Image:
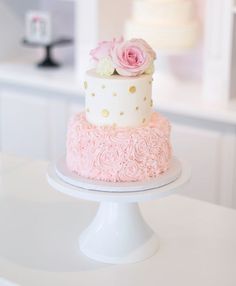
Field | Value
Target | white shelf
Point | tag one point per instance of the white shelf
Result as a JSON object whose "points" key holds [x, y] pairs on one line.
{"points": [[19, 73], [185, 98], [188, 105]]}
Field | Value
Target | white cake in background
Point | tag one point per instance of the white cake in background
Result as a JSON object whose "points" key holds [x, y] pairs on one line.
{"points": [[118, 100], [166, 24], [163, 12]]}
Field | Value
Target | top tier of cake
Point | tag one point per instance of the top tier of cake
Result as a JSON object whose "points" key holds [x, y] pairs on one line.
{"points": [[116, 100], [119, 90]]}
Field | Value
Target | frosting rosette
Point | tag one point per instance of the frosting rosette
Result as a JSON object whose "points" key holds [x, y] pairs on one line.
{"points": [[118, 154], [127, 58]]}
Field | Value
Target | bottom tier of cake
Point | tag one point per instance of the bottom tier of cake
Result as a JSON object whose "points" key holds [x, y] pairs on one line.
{"points": [[118, 154]]}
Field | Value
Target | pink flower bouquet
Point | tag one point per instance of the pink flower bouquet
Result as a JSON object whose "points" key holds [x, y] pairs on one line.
{"points": [[127, 58]]}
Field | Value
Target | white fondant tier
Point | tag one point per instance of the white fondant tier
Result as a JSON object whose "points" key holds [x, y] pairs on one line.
{"points": [[163, 13], [117, 100]]}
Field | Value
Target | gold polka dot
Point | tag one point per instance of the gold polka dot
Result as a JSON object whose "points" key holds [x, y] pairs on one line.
{"points": [[132, 89], [150, 82], [103, 86], [105, 113], [114, 125], [85, 85], [114, 94], [121, 113], [87, 110], [144, 119], [137, 108], [92, 94], [145, 98]]}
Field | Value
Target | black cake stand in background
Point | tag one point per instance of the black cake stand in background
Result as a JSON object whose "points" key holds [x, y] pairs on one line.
{"points": [[48, 61]]}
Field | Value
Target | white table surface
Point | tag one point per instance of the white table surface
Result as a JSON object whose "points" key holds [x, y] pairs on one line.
{"points": [[39, 228]]}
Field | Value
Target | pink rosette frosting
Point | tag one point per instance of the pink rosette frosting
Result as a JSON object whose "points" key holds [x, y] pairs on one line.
{"points": [[118, 154]]}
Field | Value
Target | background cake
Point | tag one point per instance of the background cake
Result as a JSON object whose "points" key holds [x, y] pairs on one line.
{"points": [[119, 138], [166, 24]]}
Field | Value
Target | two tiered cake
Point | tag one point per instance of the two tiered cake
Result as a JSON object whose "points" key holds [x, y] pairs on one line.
{"points": [[119, 138]]}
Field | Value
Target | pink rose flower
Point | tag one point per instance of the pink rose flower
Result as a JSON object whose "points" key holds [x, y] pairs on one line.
{"points": [[132, 57], [104, 49]]}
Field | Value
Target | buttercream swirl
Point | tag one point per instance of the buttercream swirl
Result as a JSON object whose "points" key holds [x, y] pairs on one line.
{"points": [[118, 154]]}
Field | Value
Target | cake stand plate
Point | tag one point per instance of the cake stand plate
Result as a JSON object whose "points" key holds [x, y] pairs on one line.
{"points": [[73, 179], [118, 234]]}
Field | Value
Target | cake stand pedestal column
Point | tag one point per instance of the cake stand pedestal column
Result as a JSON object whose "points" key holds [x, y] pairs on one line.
{"points": [[118, 234]]}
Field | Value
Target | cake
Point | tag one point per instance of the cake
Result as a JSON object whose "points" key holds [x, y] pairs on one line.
{"points": [[166, 24], [119, 138]]}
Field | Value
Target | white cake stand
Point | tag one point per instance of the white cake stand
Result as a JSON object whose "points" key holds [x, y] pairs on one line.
{"points": [[118, 234]]}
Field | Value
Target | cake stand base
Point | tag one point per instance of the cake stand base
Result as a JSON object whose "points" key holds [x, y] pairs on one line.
{"points": [[118, 234]]}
